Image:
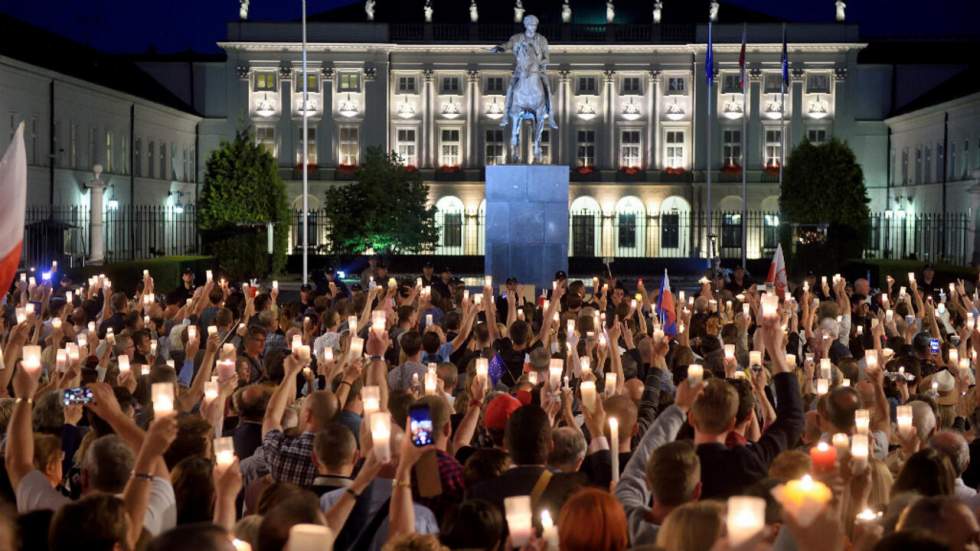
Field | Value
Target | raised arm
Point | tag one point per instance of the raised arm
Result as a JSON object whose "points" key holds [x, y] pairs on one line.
{"points": [[281, 396], [136, 496], [19, 455]]}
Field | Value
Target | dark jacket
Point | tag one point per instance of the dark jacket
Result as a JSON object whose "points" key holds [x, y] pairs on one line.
{"points": [[520, 480], [729, 471]]}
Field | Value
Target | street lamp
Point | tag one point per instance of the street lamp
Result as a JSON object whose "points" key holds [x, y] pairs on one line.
{"points": [[243, 12]]}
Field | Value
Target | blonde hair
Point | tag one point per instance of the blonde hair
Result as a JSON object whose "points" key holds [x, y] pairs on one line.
{"points": [[692, 527], [415, 542], [790, 465]]}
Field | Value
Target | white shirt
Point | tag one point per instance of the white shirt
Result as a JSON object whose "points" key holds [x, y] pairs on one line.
{"points": [[425, 520]]}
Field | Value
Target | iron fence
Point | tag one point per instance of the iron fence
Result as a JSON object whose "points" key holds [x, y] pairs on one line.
{"points": [[929, 237], [63, 233]]}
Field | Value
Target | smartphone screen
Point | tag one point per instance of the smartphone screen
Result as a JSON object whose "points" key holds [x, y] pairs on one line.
{"points": [[77, 395], [934, 346], [420, 425]]}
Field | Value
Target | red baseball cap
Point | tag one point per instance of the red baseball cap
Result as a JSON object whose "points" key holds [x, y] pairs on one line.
{"points": [[499, 410]]}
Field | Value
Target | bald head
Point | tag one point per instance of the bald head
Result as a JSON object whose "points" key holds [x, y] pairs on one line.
{"points": [[952, 445], [842, 402], [862, 287], [923, 419], [252, 402], [634, 389]]}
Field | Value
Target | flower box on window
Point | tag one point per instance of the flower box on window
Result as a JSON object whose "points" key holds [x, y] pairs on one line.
{"points": [[584, 170], [449, 173], [732, 168], [449, 169], [311, 170], [584, 174], [630, 174], [772, 169], [675, 171], [411, 168]]}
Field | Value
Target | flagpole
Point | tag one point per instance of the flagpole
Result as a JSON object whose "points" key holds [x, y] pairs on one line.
{"points": [[709, 69], [782, 108], [306, 161], [745, 196]]}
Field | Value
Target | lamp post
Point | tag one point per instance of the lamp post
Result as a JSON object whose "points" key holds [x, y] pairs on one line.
{"points": [[96, 221], [243, 13]]}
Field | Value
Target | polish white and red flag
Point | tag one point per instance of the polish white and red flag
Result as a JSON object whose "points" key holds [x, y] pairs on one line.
{"points": [[13, 191], [777, 271]]}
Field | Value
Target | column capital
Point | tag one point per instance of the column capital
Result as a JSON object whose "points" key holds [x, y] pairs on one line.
{"points": [[472, 75], [655, 75], [285, 71], [610, 73], [243, 71], [327, 72], [755, 74], [370, 72], [427, 74], [797, 74], [840, 73], [564, 73]]}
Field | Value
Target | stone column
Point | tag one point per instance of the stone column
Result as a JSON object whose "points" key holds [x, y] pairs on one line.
{"points": [[753, 155], [428, 140], [326, 127], [564, 117], [610, 116], [653, 119], [472, 102], [285, 128], [796, 104], [96, 222]]}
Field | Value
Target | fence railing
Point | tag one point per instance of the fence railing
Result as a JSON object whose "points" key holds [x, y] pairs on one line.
{"points": [[63, 233]]}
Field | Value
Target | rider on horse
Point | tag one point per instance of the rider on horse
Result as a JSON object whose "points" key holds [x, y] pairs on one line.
{"points": [[537, 49]]}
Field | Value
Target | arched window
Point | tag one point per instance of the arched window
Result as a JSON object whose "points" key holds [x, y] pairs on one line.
{"points": [[675, 224], [449, 220], [630, 227], [314, 230], [585, 217], [730, 208]]}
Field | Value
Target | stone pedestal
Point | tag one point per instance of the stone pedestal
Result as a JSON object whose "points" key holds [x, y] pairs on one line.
{"points": [[526, 223]]}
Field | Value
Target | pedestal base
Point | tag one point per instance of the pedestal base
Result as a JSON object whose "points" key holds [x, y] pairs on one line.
{"points": [[526, 223]]}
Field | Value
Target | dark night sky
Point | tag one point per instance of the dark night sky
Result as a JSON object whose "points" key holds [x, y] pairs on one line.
{"points": [[177, 25]]}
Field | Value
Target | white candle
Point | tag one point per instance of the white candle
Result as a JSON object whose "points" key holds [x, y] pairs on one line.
{"points": [[903, 418], [224, 451], [309, 537], [328, 354], [770, 306], [210, 390], [56, 323], [746, 517], [488, 281], [609, 389], [658, 336], [31, 361], [428, 320], [392, 283], [478, 298], [91, 327], [841, 443], [845, 382], [371, 399], [518, 512], [826, 369], [123, 362], [549, 532], [381, 435], [954, 356], [430, 383], [822, 387], [153, 348], [352, 324], [555, 369], [163, 398], [82, 339], [71, 349], [532, 377], [212, 330], [69, 297], [859, 452], [755, 358], [729, 351], [20, 315], [570, 327], [226, 369], [296, 343], [791, 360], [871, 359], [191, 332], [356, 347], [911, 277], [144, 369], [695, 374], [378, 321], [307, 373], [60, 361], [209, 275], [862, 421], [614, 448], [275, 284], [587, 389], [482, 369]]}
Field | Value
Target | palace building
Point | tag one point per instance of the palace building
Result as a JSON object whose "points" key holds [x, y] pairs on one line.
{"points": [[629, 96]]}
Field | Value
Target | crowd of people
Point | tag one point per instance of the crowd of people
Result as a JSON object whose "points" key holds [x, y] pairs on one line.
{"points": [[415, 413]]}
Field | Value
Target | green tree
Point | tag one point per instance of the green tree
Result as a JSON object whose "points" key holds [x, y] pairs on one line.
{"points": [[243, 193], [385, 209], [824, 185]]}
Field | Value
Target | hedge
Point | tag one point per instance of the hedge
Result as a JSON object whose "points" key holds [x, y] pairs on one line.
{"points": [[165, 270]]}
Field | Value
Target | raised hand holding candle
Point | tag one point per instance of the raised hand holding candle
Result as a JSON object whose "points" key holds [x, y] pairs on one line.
{"points": [[123, 363], [823, 386], [518, 513], [695, 374], [210, 390], [163, 398], [903, 418], [555, 368], [144, 369], [378, 321], [826, 370], [859, 453], [430, 383], [356, 347], [549, 532], [862, 421], [803, 499], [841, 443], [532, 377], [609, 389], [482, 370], [381, 435], [352, 324], [371, 399], [60, 361], [729, 352], [746, 517], [587, 389], [31, 358], [755, 358], [224, 451]]}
